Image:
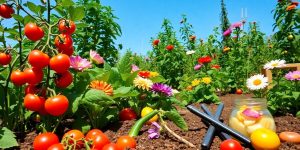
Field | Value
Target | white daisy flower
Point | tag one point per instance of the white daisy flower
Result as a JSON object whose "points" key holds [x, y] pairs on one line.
{"points": [[274, 64], [190, 52], [257, 82]]}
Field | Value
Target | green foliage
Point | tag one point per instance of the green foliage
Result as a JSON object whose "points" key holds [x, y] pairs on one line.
{"points": [[177, 119], [225, 24], [7, 138]]}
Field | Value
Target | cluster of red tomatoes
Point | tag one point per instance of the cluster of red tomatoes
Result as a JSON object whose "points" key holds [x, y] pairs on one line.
{"points": [[38, 60], [75, 139]]}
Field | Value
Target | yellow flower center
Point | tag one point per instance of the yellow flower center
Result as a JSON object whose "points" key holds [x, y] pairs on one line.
{"points": [[257, 82], [296, 76], [275, 64]]}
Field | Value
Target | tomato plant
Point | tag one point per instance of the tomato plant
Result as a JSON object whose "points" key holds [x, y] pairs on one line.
{"points": [[230, 145], [18, 77], [33, 75], [64, 80], [57, 105], [38, 59], [63, 42], [44, 140], [33, 102], [66, 26], [239, 91], [74, 136]]}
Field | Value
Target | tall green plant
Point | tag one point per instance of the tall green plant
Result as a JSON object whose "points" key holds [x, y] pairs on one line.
{"points": [[225, 24]]}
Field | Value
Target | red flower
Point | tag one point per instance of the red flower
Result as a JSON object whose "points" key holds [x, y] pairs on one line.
{"points": [[203, 60], [170, 47], [216, 67], [144, 74], [155, 42]]}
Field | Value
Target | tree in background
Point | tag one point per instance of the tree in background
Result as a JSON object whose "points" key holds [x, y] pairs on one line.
{"points": [[99, 32], [224, 20]]}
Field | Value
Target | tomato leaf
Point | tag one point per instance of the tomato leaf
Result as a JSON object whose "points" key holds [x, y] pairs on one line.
{"points": [[34, 8], [97, 97], [76, 13], [177, 119], [7, 138]]}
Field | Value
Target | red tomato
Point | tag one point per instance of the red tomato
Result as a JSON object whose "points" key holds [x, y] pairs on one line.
{"points": [[127, 114], [110, 146], [66, 26], [33, 32], [239, 91], [170, 47], [230, 144], [33, 102], [38, 59], [5, 59], [63, 42], [155, 42], [44, 141], [68, 52], [18, 77], [76, 135], [125, 142], [56, 105], [60, 63], [64, 79], [34, 75], [57, 146], [98, 138], [43, 111], [6, 11]]}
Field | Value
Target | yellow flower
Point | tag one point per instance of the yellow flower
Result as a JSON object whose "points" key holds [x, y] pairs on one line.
{"points": [[153, 74], [195, 82], [206, 80], [226, 49], [103, 86], [142, 83]]}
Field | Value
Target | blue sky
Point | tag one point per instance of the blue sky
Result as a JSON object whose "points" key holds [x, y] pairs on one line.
{"points": [[141, 19]]}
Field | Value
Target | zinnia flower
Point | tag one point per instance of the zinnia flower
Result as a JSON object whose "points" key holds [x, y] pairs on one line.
{"points": [[153, 74], [274, 64], [204, 60], [216, 67], [144, 74], [163, 89], [206, 80], [154, 131], [189, 88], [79, 64], [142, 83], [227, 32], [155, 42], [134, 68], [236, 25], [198, 66], [103, 86], [96, 58], [291, 7], [257, 82], [190, 52], [293, 75], [195, 82]]}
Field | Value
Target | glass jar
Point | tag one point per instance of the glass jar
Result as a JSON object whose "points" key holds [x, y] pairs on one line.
{"points": [[250, 114]]}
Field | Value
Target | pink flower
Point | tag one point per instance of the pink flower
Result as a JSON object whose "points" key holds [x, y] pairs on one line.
{"points": [[79, 63], [293, 76], [236, 25], [227, 32], [198, 66], [134, 68], [96, 58], [154, 131]]}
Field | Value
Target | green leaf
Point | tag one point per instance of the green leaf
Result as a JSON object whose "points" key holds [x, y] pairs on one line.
{"points": [[34, 8], [67, 3], [18, 17], [7, 139], [124, 65], [158, 79], [296, 95], [76, 13], [82, 125], [177, 119], [125, 92], [97, 97]]}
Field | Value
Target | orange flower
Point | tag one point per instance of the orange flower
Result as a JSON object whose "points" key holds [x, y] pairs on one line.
{"points": [[103, 86], [189, 88], [291, 7], [144, 74]]}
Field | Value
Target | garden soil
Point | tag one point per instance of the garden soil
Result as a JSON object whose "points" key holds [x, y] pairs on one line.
{"points": [[195, 134]]}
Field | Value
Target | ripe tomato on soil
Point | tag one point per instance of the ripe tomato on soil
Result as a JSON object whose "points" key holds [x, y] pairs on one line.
{"points": [[64, 80], [6, 11], [33, 32], [44, 141], [125, 142], [127, 114], [57, 146], [56, 105], [5, 59], [60, 63], [98, 138], [230, 144], [18, 77], [33, 102], [38, 59], [34, 75], [66, 26], [63, 42], [76, 135]]}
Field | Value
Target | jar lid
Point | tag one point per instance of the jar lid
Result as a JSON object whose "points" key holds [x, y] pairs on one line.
{"points": [[262, 102]]}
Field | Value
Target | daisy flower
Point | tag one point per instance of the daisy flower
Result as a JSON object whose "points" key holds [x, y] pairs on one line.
{"points": [[274, 64], [257, 82], [79, 64], [190, 52], [293, 75], [142, 83], [161, 88], [103, 86]]}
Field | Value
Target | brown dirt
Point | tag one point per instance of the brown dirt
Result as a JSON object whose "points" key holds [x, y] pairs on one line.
{"points": [[195, 133]]}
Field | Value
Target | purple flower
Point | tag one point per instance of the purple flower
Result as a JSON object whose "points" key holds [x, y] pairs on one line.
{"points": [[236, 25], [79, 63], [293, 75], [95, 57], [198, 66], [227, 32], [134, 68], [163, 89], [154, 131]]}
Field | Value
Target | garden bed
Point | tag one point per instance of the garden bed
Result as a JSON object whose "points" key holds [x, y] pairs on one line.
{"points": [[195, 133]]}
